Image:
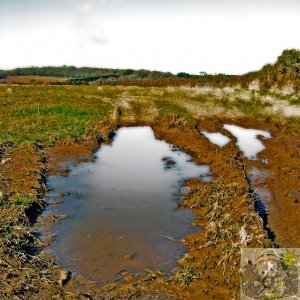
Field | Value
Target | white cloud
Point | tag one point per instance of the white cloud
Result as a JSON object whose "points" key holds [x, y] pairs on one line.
{"points": [[85, 8], [101, 33]]}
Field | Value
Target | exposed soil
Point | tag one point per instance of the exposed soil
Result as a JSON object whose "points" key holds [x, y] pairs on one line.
{"points": [[31, 79], [282, 154], [224, 208], [61, 157]]}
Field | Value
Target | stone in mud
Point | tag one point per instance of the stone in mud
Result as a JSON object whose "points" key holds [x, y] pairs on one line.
{"points": [[51, 219], [170, 238], [151, 273], [129, 256], [57, 202], [57, 275], [60, 195], [169, 162], [5, 160], [64, 276]]}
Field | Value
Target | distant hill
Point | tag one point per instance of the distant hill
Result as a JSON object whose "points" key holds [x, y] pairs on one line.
{"points": [[85, 73]]}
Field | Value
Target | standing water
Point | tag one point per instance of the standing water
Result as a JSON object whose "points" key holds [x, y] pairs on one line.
{"points": [[216, 138], [247, 139], [122, 208]]}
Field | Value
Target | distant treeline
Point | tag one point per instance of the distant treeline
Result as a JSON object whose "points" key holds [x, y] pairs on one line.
{"points": [[149, 82], [285, 71], [85, 72]]}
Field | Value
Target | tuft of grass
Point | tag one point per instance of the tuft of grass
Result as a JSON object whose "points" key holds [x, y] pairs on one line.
{"points": [[166, 108], [186, 275], [289, 260], [24, 200]]}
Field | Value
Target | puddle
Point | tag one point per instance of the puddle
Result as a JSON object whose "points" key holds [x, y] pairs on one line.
{"points": [[216, 138], [263, 205], [258, 176], [247, 139], [258, 180], [122, 208]]}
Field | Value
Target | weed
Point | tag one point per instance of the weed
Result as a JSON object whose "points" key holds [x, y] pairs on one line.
{"points": [[186, 275], [289, 260], [235, 228], [188, 258], [12, 240], [216, 235], [197, 219], [21, 200]]}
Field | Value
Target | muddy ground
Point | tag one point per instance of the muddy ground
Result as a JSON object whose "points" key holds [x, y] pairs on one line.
{"points": [[224, 208]]}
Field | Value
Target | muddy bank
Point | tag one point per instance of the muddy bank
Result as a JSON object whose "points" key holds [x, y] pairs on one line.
{"points": [[22, 186], [283, 155], [23, 173], [225, 209], [277, 176]]}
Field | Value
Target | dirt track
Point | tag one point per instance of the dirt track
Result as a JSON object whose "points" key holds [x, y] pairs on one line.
{"points": [[224, 208]]}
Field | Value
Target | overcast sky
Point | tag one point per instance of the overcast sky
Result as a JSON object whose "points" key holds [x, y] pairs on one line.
{"points": [[216, 36]]}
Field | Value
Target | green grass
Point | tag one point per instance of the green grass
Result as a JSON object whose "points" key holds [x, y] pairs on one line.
{"points": [[170, 103], [186, 275], [166, 107], [50, 113], [294, 101], [253, 107], [63, 111], [47, 114], [21, 200]]}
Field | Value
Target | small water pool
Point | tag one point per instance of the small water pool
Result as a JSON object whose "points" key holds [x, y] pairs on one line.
{"points": [[216, 138], [247, 139], [122, 208]]}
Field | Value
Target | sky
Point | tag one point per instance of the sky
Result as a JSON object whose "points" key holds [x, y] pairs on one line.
{"points": [[214, 36]]}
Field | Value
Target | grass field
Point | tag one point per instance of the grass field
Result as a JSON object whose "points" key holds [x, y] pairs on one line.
{"points": [[50, 113]]}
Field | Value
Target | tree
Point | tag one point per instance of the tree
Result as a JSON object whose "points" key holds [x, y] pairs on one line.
{"points": [[183, 75]]}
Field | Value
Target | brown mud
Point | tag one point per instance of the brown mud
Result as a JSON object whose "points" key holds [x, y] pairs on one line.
{"points": [[280, 176], [31, 79], [224, 208]]}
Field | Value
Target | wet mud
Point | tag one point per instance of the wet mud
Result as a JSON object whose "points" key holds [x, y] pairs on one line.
{"points": [[224, 208]]}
